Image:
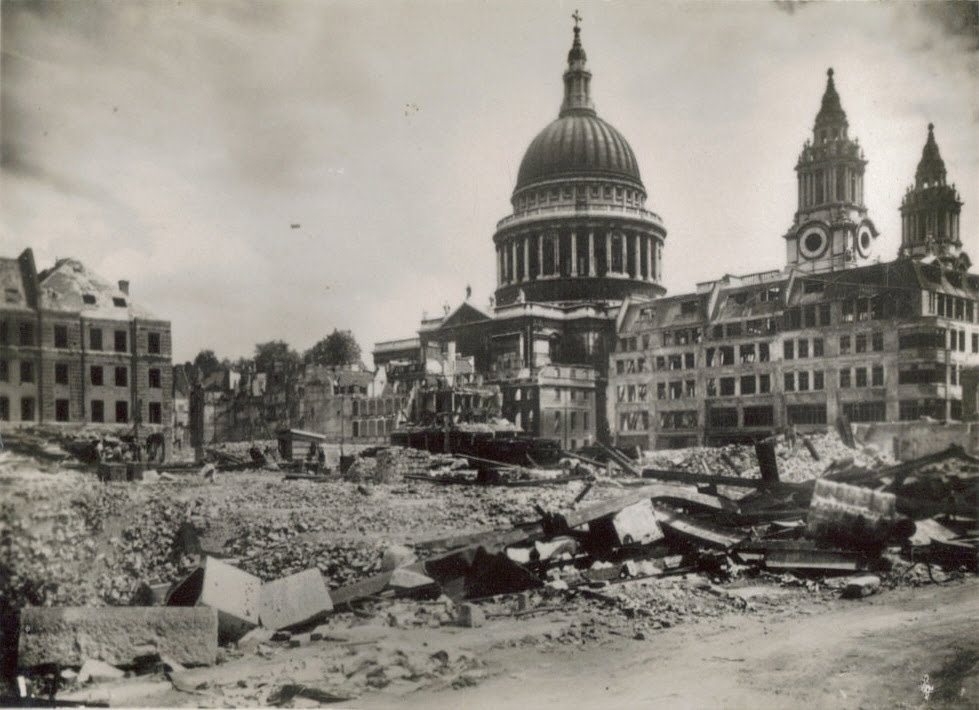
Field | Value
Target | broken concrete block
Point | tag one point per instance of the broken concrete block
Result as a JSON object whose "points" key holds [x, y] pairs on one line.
{"points": [[406, 580], [851, 515], [67, 636], [98, 671], [637, 525], [397, 556], [471, 616], [233, 592], [862, 586], [297, 599]]}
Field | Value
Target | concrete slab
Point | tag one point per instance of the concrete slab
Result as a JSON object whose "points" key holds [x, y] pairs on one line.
{"points": [[637, 525], [293, 600], [68, 636], [233, 592]]}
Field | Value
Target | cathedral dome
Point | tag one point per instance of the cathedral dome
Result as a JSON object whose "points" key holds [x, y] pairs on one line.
{"points": [[577, 144]]}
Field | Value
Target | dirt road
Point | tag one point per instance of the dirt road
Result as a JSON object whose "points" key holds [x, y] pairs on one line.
{"points": [[872, 653]]}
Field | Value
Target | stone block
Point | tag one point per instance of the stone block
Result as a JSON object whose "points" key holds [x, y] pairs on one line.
{"points": [[297, 599], [637, 525], [471, 616], [67, 636], [233, 592]]}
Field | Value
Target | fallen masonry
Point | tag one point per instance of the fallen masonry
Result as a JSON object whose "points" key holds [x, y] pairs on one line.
{"points": [[643, 546], [68, 636]]}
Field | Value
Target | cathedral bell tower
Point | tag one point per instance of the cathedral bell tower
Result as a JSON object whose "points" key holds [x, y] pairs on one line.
{"points": [[831, 230], [930, 211]]}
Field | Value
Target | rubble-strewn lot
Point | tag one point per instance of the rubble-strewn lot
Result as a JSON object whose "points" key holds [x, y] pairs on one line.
{"points": [[576, 573]]}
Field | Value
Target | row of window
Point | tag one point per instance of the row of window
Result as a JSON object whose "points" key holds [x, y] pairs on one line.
{"points": [[749, 385], [799, 348], [913, 409], [801, 414], [96, 374], [372, 427], [543, 197], [634, 421], [809, 316], [927, 373], [686, 419], [792, 349], [371, 407], [26, 336], [859, 342], [937, 338], [62, 413], [940, 304], [859, 377]]}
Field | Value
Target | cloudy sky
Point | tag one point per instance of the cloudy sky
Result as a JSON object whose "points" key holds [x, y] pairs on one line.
{"points": [[174, 143]]}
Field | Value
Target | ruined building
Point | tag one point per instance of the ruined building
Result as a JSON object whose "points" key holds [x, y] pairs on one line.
{"points": [[579, 241], [345, 404], [75, 349], [835, 332]]}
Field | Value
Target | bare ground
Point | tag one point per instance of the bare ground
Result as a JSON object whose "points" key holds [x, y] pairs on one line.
{"points": [[859, 654]]}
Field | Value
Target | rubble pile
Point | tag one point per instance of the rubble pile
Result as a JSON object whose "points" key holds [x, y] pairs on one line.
{"points": [[796, 461], [267, 551], [689, 540]]}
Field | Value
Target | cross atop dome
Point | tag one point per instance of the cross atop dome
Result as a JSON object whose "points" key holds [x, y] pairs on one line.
{"points": [[577, 79]]}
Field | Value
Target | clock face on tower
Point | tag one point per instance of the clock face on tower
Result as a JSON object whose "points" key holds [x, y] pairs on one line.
{"points": [[865, 241], [813, 242]]}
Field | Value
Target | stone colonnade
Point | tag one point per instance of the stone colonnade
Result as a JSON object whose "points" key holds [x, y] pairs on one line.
{"points": [[539, 255]]}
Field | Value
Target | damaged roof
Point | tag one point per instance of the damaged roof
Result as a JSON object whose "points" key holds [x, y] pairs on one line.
{"points": [[70, 286]]}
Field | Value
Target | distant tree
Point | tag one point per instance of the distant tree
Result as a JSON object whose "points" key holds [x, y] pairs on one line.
{"points": [[239, 365], [338, 348], [206, 362], [272, 352]]}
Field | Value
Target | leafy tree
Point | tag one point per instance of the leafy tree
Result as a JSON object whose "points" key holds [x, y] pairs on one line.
{"points": [[239, 365], [206, 362], [338, 348], [272, 352]]}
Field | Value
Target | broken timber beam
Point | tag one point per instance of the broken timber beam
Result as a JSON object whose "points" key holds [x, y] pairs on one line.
{"points": [[605, 508], [491, 540], [621, 460], [703, 478], [700, 531]]}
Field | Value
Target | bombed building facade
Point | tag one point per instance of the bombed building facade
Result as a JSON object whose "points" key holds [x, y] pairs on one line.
{"points": [[836, 332], [74, 349], [585, 346], [344, 404]]}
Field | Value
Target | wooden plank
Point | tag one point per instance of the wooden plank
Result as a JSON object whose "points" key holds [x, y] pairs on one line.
{"points": [[705, 533]]}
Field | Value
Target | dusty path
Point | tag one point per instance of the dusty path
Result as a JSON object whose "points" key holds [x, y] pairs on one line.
{"points": [[860, 654]]}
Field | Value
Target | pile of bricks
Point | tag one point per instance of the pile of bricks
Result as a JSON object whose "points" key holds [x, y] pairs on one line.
{"points": [[395, 463]]}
